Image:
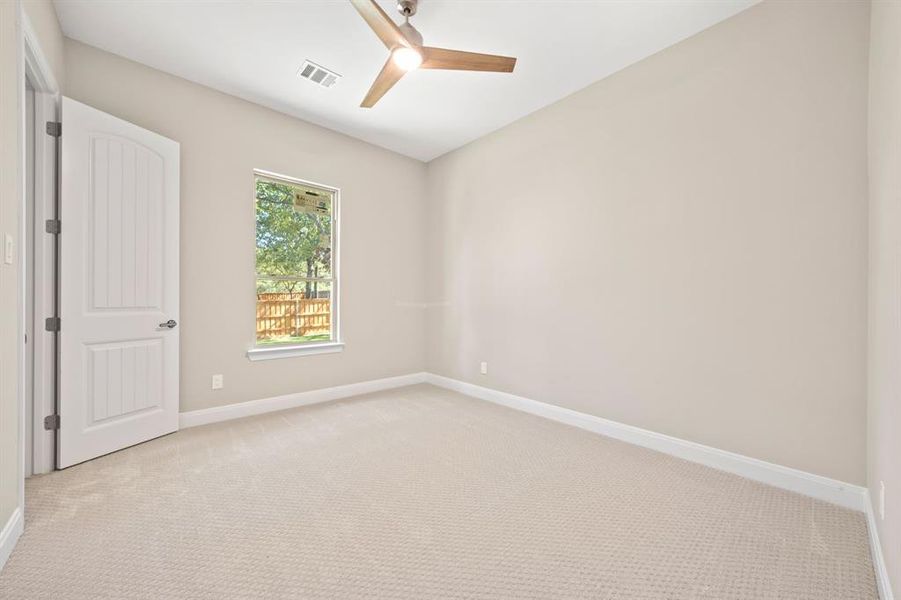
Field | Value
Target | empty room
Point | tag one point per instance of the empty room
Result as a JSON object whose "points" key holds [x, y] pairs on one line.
{"points": [[446, 299]]}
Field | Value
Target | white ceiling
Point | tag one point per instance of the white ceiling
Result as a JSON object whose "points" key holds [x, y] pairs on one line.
{"points": [[254, 49]]}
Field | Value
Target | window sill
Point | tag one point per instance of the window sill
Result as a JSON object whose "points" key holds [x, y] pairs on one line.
{"points": [[255, 354]]}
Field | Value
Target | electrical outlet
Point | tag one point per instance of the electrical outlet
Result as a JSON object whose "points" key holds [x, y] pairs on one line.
{"points": [[217, 382], [483, 368], [882, 500]]}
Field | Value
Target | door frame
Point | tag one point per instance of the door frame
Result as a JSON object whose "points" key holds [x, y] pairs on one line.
{"points": [[34, 66]]}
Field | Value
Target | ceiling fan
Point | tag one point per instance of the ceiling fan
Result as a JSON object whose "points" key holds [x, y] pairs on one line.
{"points": [[408, 53]]}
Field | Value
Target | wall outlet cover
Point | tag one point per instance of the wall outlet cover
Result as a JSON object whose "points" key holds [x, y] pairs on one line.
{"points": [[483, 368], [217, 382]]}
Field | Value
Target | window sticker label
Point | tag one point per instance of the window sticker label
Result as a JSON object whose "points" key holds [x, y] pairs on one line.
{"points": [[312, 203]]}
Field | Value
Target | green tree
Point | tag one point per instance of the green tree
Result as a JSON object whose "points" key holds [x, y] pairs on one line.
{"points": [[289, 243]]}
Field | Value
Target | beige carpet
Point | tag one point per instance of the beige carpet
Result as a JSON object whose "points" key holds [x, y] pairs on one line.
{"points": [[420, 493]]}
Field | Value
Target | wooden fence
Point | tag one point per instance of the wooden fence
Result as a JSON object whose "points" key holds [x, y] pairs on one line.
{"points": [[285, 314]]}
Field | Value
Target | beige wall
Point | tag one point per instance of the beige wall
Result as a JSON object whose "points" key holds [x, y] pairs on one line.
{"points": [[884, 432], [222, 140], [9, 204], [680, 247]]}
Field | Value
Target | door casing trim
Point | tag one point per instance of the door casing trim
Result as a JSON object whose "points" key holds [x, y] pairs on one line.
{"points": [[33, 65]]}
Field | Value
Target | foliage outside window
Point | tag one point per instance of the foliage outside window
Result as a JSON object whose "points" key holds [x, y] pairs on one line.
{"points": [[296, 285]]}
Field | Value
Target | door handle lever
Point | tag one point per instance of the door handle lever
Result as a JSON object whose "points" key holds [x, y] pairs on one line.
{"points": [[170, 324]]}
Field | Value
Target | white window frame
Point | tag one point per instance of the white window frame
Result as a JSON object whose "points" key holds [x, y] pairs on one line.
{"points": [[268, 352]]}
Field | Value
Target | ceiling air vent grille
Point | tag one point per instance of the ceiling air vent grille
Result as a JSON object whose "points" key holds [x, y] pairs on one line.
{"points": [[318, 75]]}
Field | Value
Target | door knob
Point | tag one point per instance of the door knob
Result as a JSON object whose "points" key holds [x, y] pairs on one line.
{"points": [[169, 324]]}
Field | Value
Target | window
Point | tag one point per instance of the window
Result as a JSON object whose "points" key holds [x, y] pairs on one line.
{"points": [[296, 270]]}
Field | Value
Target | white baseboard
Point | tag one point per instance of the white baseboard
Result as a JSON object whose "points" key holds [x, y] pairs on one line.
{"points": [[255, 407], [10, 535], [882, 579], [822, 488]]}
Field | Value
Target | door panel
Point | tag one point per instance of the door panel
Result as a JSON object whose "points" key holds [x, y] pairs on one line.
{"points": [[122, 377], [125, 211], [118, 284]]}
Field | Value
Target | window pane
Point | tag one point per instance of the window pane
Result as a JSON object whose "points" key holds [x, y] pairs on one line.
{"points": [[295, 245], [301, 314], [293, 230]]}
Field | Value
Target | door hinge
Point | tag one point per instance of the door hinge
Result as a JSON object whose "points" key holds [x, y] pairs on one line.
{"points": [[54, 128], [53, 226], [52, 323], [51, 422]]}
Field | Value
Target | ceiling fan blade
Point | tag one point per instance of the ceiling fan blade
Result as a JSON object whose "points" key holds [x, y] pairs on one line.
{"points": [[441, 58], [380, 23], [388, 76]]}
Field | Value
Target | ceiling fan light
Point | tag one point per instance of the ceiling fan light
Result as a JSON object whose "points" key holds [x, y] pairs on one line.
{"points": [[406, 58]]}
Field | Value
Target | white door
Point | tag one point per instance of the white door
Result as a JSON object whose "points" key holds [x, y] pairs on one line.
{"points": [[118, 373]]}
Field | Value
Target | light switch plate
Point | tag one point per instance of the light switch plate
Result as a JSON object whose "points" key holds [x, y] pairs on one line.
{"points": [[8, 249]]}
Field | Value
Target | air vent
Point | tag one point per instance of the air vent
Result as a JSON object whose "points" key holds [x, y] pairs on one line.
{"points": [[318, 75]]}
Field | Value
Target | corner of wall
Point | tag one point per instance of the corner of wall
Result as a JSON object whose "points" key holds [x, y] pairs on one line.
{"points": [[49, 34], [884, 285]]}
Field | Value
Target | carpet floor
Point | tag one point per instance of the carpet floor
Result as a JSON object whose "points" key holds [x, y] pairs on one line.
{"points": [[421, 493]]}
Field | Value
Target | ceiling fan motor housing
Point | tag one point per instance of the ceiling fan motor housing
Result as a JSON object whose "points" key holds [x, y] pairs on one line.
{"points": [[407, 7]]}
